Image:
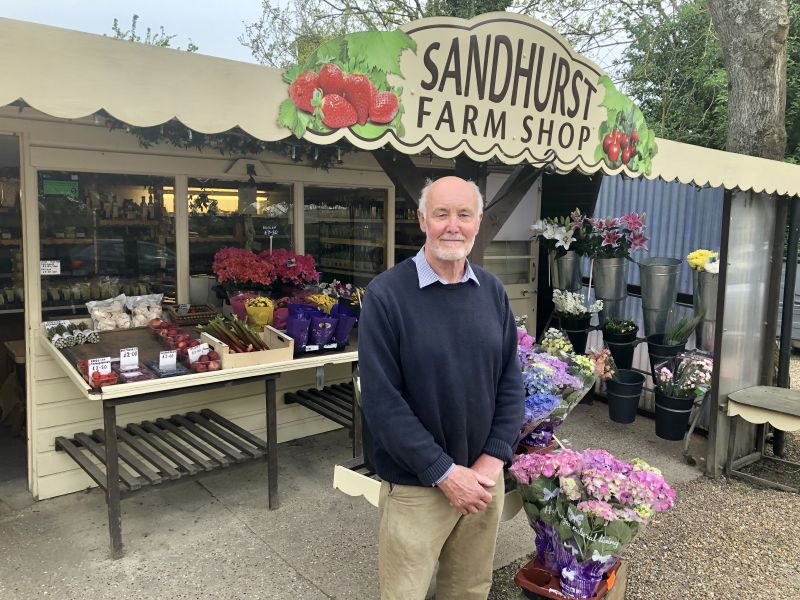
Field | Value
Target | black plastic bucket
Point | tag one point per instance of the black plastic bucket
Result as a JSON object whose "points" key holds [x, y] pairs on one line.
{"points": [[623, 393], [621, 347], [577, 331], [659, 352], [672, 416]]}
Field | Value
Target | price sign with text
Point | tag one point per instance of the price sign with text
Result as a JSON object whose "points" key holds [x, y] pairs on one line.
{"points": [[183, 309], [197, 352], [270, 230], [167, 360], [101, 365], [129, 358]]}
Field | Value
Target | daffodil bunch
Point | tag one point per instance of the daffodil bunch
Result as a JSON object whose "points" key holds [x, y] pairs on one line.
{"points": [[704, 260], [555, 342]]}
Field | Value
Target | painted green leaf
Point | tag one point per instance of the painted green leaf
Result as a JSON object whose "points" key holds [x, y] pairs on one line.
{"points": [[369, 131], [335, 48], [303, 121], [378, 49], [287, 114], [291, 74]]}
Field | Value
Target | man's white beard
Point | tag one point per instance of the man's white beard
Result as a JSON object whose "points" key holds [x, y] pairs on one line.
{"points": [[454, 253]]}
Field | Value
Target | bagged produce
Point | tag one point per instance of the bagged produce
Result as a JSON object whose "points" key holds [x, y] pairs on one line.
{"points": [[144, 308], [110, 314]]}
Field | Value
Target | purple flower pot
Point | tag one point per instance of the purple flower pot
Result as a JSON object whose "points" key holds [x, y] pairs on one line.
{"points": [[343, 328], [297, 329], [322, 329]]}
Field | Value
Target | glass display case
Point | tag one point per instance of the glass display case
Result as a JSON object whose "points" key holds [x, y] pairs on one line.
{"points": [[245, 214], [102, 235], [345, 230]]}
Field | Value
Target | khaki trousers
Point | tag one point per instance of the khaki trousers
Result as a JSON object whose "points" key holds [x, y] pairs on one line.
{"points": [[418, 527]]}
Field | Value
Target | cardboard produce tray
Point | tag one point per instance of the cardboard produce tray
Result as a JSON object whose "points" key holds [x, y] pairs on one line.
{"points": [[281, 348]]}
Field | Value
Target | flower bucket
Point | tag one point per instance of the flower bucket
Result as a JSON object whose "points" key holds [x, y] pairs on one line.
{"points": [[565, 271], [322, 329], [659, 278], [237, 304], [344, 326], [706, 286], [577, 330], [672, 416], [610, 281], [622, 347], [659, 352], [297, 329], [623, 393]]}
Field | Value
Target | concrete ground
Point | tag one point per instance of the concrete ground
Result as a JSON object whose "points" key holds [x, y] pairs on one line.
{"points": [[215, 538]]}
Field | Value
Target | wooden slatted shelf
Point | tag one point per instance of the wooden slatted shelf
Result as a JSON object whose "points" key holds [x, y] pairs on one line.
{"points": [[334, 402], [165, 449]]}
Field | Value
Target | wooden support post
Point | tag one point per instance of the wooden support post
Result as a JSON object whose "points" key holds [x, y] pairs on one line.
{"points": [[405, 175], [272, 442], [112, 478]]}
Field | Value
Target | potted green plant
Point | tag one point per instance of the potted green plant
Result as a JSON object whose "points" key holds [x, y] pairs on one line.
{"points": [[662, 347], [619, 336], [678, 382], [575, 316]]}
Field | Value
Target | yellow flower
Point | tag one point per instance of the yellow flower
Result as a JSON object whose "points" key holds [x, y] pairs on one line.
{"points": [[700, 258]]}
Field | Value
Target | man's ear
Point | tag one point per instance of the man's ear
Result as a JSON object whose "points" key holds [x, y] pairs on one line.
{"points": [[422, 224]]}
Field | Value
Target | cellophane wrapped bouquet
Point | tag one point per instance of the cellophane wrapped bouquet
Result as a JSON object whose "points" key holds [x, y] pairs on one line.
{"points": [[555, 380], [586, 508]]}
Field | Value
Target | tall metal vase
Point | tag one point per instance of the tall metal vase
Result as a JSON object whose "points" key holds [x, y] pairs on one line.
{"points": [[610, 279], [565, 271], [705, 306], [659, 278]]}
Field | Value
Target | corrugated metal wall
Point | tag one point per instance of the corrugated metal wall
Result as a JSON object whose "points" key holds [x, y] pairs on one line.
{"points": [[680, 218]]}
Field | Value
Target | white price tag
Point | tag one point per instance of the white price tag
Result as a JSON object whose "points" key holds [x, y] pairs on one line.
{"points": [[270, 230], [197, 352], [331, 346], [50, 267], [183, 309], [312, 348], [51, 324], [101, 365], [167, 360], [128, 359]]}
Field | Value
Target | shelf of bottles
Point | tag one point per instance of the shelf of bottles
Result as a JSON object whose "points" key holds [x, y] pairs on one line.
{"points": [[345, 230], [11, 265], [102, 235], [244, 214], [408, 237]]}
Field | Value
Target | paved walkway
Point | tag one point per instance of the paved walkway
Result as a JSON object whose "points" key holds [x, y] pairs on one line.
{"points": [[214, 538]]}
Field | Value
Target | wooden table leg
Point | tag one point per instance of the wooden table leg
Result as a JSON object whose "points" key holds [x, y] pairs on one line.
{"points": [[112, 479], [272, 444]]}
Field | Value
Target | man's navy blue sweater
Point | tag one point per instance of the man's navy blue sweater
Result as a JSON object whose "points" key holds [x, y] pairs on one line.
{"points": [[440, 377]]}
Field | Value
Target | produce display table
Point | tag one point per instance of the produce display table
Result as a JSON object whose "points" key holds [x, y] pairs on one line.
{"points": [[190, 435]]}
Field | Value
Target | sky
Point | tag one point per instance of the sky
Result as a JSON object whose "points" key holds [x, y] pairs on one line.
{"points": [[213, 25]]}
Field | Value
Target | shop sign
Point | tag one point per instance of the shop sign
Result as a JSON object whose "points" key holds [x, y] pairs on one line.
{"points": [[55, 187], [196, 352], [129, 359], [500, 85], [50, 267], [101, 365], [168, 360]]}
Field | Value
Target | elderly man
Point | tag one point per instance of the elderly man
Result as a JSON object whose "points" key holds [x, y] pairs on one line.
{"points": [[443, 399]]}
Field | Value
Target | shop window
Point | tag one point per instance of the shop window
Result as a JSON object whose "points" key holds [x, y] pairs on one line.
{"points": [[236, 213], [102, 235], [345, 231], [509, 261], [11, 266]]}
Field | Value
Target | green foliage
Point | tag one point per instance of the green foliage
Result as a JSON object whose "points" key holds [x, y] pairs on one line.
{"points": [[157, 38], [673, 68], [793, 84]]}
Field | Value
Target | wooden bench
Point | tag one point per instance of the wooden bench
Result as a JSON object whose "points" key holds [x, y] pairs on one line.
{"points": [[337, 403], [780, 407]]}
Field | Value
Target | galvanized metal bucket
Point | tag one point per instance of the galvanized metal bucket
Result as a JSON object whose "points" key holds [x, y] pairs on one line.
{"points": [[705, 306], [565, 271], [610, 280], [659, 279]]}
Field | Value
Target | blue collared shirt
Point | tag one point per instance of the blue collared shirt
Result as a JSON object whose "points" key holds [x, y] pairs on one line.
{"points": [[426, 275]]}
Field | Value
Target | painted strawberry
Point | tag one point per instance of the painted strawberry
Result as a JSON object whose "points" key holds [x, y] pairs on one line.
{"points": [[337, 112], [357, 92], [331, 79], [301, 90], [384, 107]]}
